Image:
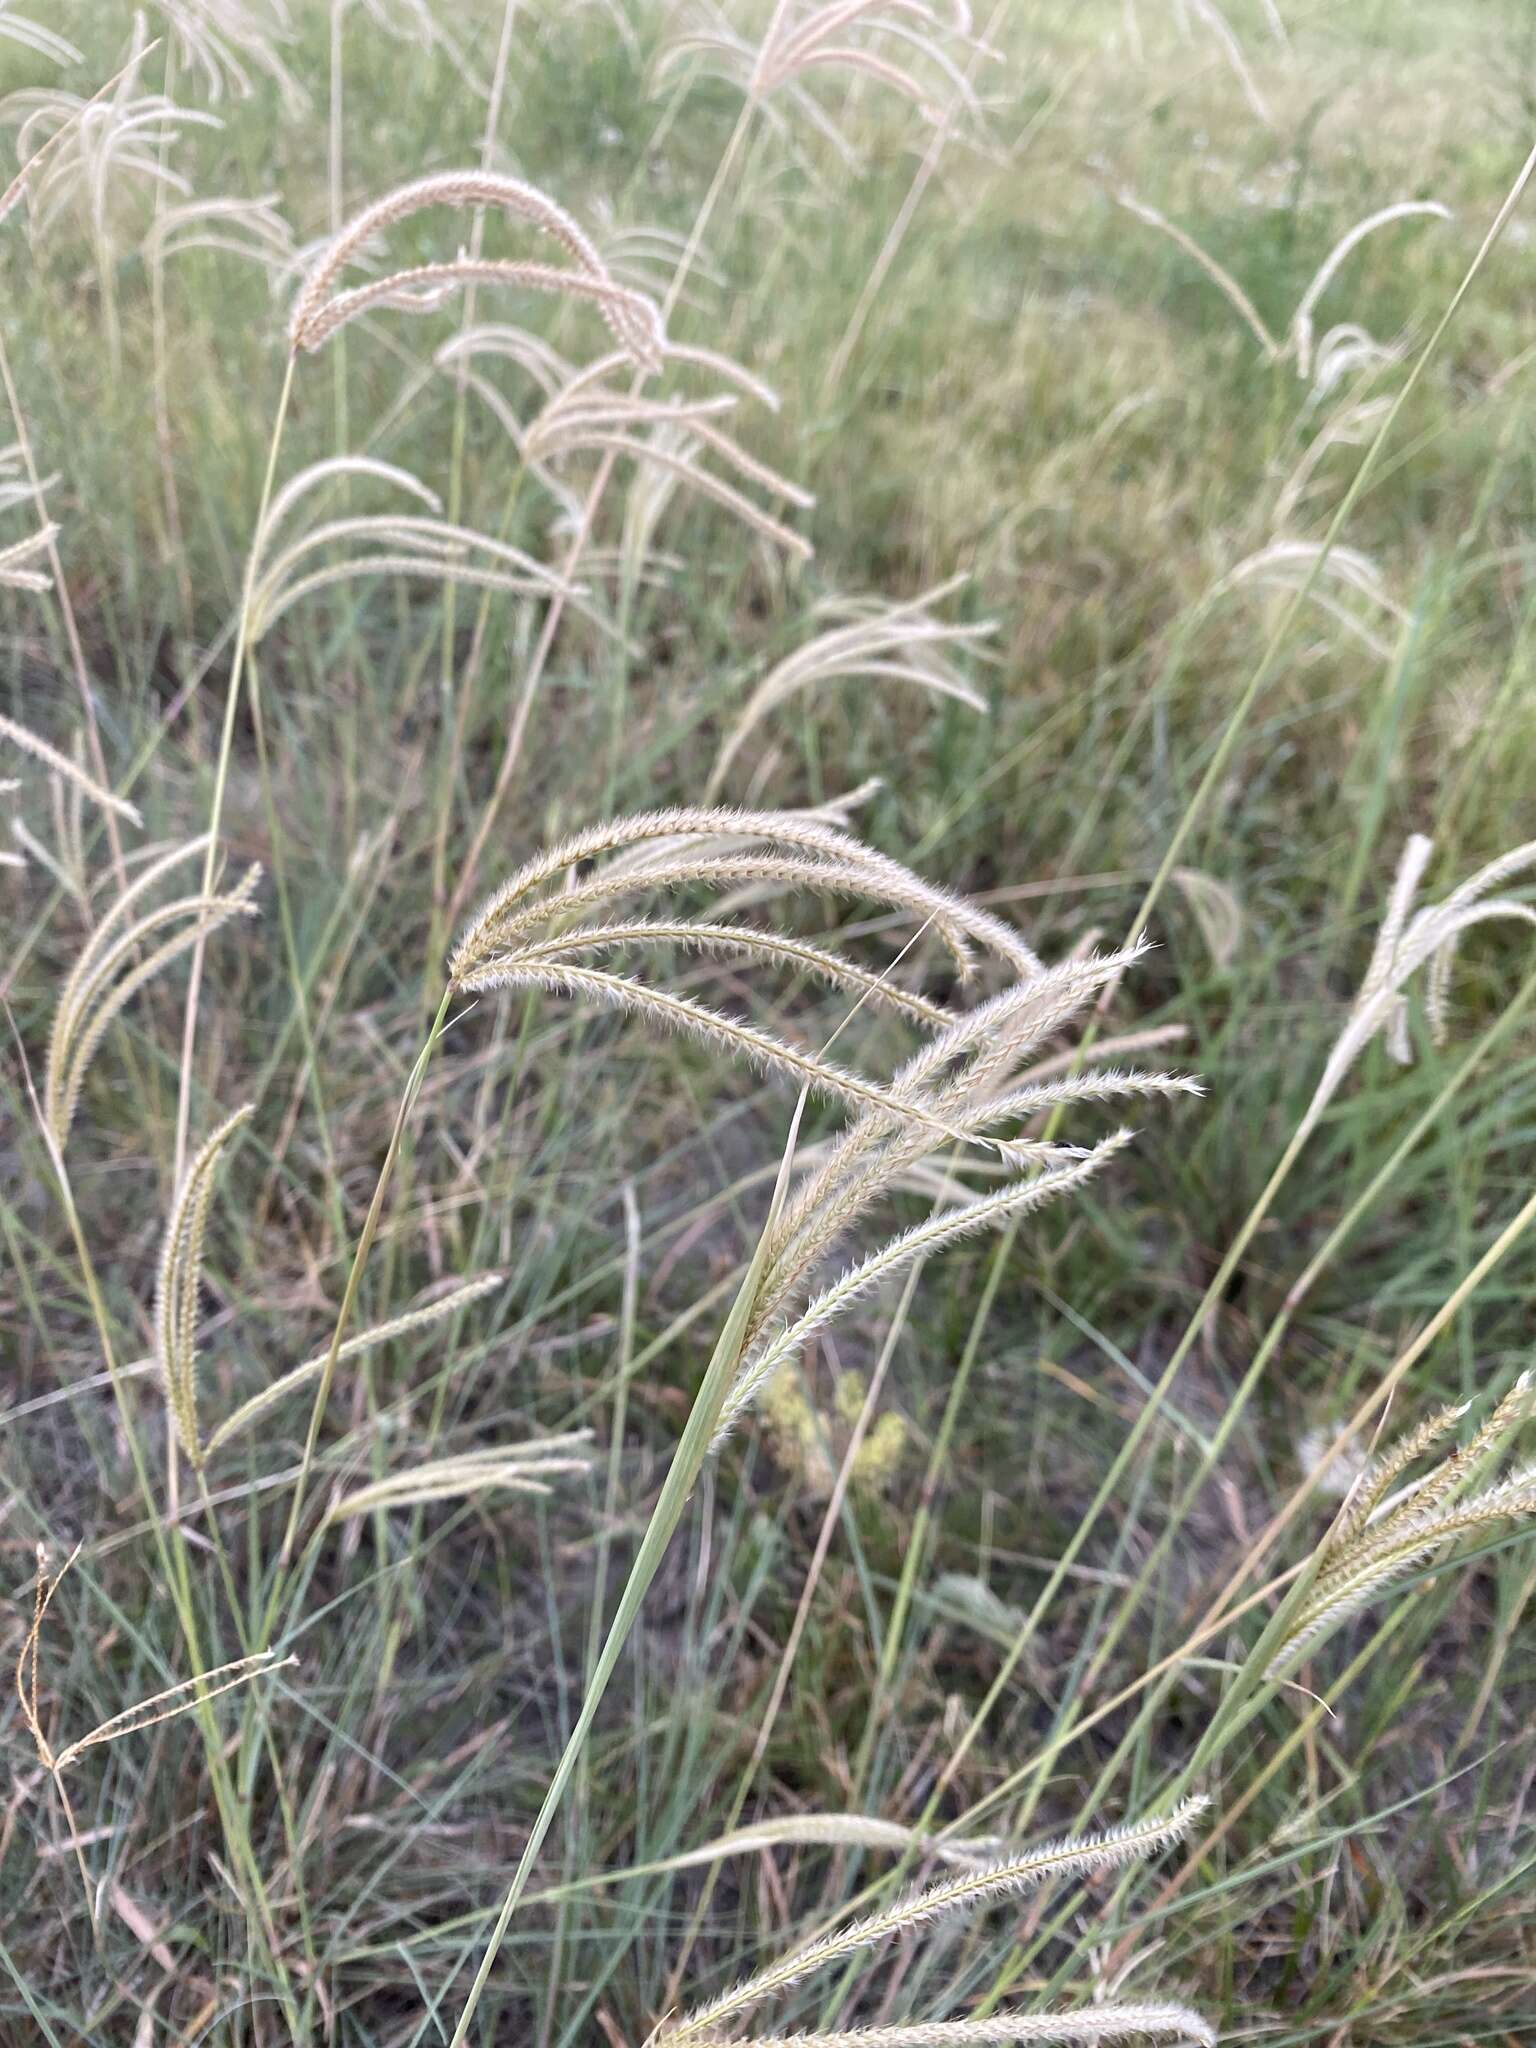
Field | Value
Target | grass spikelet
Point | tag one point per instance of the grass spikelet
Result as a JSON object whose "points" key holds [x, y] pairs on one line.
{"points": [[835, 1831], [102, 981], [524, 1468], [31, 35], [956, 922], [29, 742], [227, 41], [288, 559], [16, 571], [903, 45], [147, 1713], [1328, 269], [1376, 1544], [986, 1212], [584, 411], [319, 311], [178, 1284], [529, 932], [354, 1347], [1093, 2024], [893, 642], [1408, 942], [1072, 1857]]}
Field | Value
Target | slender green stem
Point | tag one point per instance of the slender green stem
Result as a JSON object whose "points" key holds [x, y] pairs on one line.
{"points": [[354, 1277], [221, 771]]}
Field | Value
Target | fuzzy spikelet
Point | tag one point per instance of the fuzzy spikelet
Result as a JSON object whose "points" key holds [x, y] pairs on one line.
{"points": [[958, 923], [904, 643], [304, 1375], [505, 1468], [178, 1282], [967, 1083], [319, 310], [1378, 1541], [108, 974], [1073, 1856], [32, 743], [1095, 2024], [940, 1231]]}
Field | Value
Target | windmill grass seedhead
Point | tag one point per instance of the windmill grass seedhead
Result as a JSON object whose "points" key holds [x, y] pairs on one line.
{"points": [[1381, 1535], [969, 1085], [99, 160], [525, 1468], [1298, 342], [115, 963], [148, 1713], [586, 412], [32, 35], [288, 565], [1410, 940], [964, 1891], [320, 310], [230, 43], [249, 228], [913, 48], [533, 934], [904, 643]]}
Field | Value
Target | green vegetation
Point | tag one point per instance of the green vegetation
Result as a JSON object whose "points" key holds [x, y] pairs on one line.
{"points": [[1143, 606]]}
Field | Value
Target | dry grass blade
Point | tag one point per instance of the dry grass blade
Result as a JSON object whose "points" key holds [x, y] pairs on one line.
{"points": [[354, 1347], [320, 310], [1074, 1856]]}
